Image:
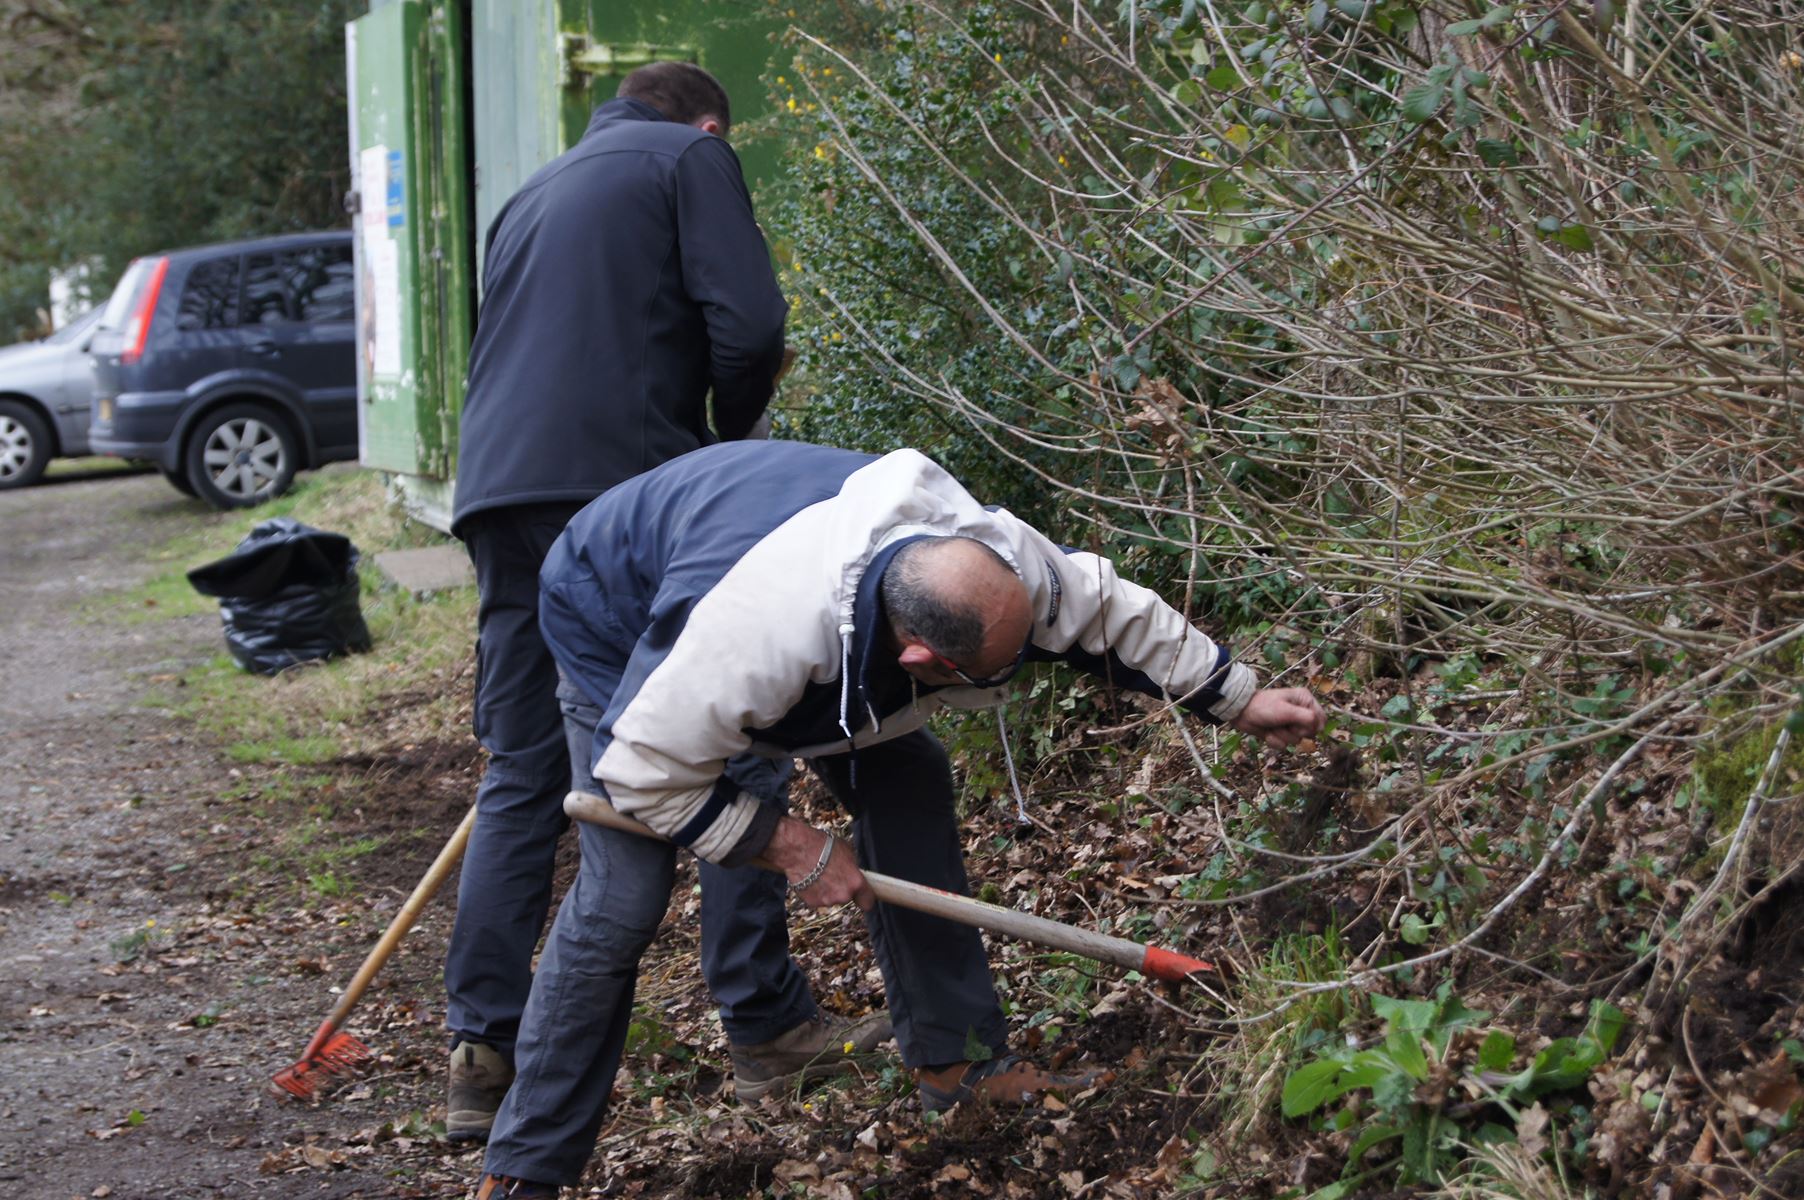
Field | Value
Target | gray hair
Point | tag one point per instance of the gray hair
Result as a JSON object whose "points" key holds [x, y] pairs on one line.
{"points": [[947, 622]]}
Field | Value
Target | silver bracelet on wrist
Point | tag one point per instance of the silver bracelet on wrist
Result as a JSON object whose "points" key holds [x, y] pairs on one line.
{"points": [[820, 868]]}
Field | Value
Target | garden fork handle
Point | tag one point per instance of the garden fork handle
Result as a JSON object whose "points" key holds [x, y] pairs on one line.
{"points": [[1149, 960]]}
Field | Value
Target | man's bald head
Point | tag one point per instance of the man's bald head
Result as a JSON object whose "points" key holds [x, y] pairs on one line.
{"points": [[954, 598]]}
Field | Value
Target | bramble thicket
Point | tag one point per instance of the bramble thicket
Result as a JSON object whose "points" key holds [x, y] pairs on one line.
{"points": [[1441, 356]]}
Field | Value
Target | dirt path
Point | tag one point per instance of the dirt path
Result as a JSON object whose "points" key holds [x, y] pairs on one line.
{"points": [[147, 991]]}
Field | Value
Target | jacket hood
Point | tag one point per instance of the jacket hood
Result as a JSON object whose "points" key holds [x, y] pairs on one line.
{"points": [[924, 502]]}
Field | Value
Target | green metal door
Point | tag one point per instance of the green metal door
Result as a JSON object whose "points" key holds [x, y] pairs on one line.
{"points": [[542, 66], [411, 196]]}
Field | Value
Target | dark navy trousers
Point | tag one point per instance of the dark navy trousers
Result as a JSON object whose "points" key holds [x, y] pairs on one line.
{"points": [[505, 889]]}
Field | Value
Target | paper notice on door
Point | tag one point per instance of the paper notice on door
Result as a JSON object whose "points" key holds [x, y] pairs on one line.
{"points": [[372, 187], [385, 279]]}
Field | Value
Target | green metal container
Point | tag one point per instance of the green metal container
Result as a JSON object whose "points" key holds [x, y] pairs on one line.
{"points": [[453, 106]]}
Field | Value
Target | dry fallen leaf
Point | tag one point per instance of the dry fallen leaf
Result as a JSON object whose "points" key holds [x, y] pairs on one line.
{"points": [[1531, 1128], [321, 1159]]}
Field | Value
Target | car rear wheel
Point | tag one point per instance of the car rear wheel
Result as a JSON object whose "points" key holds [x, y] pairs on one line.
{"points": [[24, 444], [241, 455]]}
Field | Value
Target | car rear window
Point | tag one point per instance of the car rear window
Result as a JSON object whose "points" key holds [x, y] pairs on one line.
{"points": [[119, 305], [314, 283], [210, 297], [74, 329]]}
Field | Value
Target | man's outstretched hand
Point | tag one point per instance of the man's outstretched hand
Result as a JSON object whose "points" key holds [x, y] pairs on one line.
{"points": [[795, 848], [1281, 716]]}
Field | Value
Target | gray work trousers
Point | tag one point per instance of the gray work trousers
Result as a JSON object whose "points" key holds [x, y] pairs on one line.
{"points": [[523, 718], [935, 973]]}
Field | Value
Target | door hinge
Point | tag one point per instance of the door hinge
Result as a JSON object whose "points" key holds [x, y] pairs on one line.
{"points": [[579, 57]]}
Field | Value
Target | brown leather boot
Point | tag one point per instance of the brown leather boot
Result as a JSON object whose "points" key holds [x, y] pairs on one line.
{"points": [[1005, 1080], [821, 1046]]}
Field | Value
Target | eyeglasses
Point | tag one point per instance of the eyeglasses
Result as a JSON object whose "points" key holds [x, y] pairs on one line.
{"points": [[991, 681]]}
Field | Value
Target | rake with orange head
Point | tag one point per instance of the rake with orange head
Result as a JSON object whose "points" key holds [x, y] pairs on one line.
{"points": [[333, 1052]]}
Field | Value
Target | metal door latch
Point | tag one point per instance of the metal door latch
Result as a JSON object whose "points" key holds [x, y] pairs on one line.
{"points": [[579, 57]]}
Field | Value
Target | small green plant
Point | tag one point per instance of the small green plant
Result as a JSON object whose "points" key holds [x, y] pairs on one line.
{"points": [[669, 1066], [1406, 1078], [327, 884], [131, 946]]}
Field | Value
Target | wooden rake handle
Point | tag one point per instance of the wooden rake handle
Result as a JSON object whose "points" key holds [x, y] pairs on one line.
{"points": [[1149, 960], [403, 920]]}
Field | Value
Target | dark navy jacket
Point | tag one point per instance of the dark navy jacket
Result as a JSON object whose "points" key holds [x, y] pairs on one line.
{"points": [[727, 603], [625, 278]]}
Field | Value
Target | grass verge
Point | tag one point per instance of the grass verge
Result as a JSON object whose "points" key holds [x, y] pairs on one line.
{"points": [[276, 734]]}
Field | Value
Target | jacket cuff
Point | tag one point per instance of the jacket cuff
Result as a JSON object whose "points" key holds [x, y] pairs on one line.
{"points": [[1236, 690], [757, 835], [718, 826]]}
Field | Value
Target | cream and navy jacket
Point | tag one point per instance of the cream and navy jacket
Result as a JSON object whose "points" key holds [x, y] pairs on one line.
{"points": [[728, 602]]}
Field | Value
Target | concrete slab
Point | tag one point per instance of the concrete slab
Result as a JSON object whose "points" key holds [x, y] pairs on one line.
{"points": [[430, 569]]}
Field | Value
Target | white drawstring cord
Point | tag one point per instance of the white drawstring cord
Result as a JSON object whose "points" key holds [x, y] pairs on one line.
{"points": [[1008, 756], [845, 679], [845, 701]]}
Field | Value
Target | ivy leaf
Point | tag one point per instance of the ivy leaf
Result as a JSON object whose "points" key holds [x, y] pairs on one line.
{"points": [[1223, 78]]}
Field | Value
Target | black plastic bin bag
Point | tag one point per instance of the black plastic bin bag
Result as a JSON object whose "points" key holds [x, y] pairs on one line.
{"points": [[288, 594]]}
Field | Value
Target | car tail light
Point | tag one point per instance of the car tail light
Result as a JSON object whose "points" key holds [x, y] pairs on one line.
{"points": [[137, 327]]}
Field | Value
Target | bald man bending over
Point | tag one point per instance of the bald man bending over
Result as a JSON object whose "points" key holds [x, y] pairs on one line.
{"points": [[791, 601]]}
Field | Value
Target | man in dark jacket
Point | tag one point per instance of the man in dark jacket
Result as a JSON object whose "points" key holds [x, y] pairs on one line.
{"points": [[625, 280]]}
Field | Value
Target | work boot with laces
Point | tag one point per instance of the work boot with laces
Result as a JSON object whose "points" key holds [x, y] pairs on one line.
{"points": [[1005, 1080], [818, 1047], [480, 1077], [501, 1187]]}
